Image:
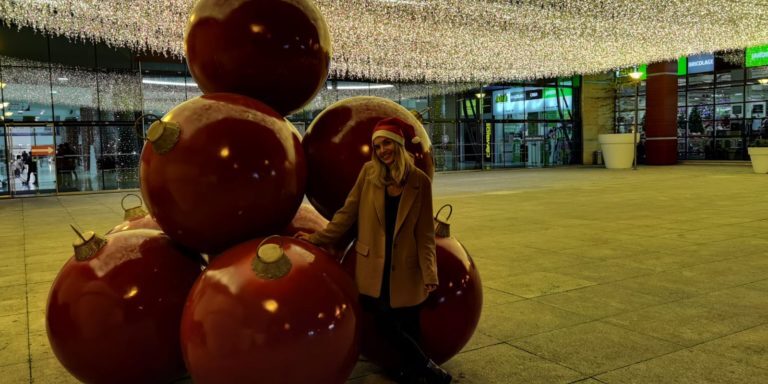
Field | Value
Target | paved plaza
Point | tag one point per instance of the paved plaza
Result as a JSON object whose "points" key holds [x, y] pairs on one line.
{"points": [[590, 275]]}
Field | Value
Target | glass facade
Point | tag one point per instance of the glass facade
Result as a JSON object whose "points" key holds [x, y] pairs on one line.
{"points": [[79, 111], [720, 110]]}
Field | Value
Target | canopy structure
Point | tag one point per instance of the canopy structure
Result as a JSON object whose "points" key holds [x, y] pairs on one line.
{"points": [[446, 40]]}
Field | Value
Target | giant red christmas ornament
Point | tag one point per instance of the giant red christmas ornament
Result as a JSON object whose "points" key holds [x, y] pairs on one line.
{"points": [[450, 314], [135, 217], [220, 169], [338, 143], [276, 311], [114, 310], [308, 220], [276, 51]]}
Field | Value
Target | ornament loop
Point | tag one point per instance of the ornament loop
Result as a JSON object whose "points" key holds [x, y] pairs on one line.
{"points": [[442, 228], [133, 212], [139, 128]]}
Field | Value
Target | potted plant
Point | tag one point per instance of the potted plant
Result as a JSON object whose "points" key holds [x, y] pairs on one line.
{"points": [[618, 149], [758, 153]]}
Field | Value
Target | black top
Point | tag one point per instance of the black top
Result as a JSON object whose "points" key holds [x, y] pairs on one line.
{"points": [[391, 203]]}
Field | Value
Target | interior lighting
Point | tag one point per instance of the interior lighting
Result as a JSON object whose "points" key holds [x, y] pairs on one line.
{"points": [[636, 75], [763, 81], [445, 40], [8, 114]]}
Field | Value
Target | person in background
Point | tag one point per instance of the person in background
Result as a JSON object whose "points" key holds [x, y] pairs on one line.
{"points": [[391, 202], [31, 168]]}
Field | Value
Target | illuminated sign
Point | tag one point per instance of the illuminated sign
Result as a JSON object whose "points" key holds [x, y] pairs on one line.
{"points": [[757, 56], [701, 63], [488, 136]]}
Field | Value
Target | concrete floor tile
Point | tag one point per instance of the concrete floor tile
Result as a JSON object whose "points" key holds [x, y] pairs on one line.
{"points": [[537, 284], [492, 297], [15, 373], [749, 346], [13, 300], [686, 366], [480, 340], [669, 286], [761, 285], [600, 301], [686, 323], [39, 347], [50, 371], [504, 364], [604, 271], [595, 347], [608, 251], [525, 318], [14, 324]]}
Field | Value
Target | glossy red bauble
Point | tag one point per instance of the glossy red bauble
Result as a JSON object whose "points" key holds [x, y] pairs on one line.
{"points": [[338, 143], [234, 170], [275, 312], [309, 220], [115, 317], [276, 51], [450, 315]]}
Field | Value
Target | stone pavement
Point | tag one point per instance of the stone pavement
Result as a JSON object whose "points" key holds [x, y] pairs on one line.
{"points": [[590, 275]]}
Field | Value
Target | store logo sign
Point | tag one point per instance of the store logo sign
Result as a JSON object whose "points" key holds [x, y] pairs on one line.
{"points": [[701, 63]]}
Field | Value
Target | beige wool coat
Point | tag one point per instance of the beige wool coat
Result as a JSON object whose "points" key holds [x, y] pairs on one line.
{"points": [[413, 248]]}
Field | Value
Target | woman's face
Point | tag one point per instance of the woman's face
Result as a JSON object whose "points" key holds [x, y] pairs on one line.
{"points": [[384, 148]]}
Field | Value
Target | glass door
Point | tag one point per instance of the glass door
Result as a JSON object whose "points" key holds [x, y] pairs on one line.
{"points": [[31, 152], [6, 168]]}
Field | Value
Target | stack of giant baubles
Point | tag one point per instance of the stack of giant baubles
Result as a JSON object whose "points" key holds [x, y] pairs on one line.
{"points": [[219, 173]]}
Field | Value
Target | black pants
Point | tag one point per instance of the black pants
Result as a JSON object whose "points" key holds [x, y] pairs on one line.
{"points": [[399, 326]]}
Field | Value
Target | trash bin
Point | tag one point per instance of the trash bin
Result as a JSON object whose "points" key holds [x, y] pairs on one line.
{"points": [[597, 158]]}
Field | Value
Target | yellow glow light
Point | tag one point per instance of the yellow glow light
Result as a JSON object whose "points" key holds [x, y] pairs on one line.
{"points": [[133, 291], [270, 305], [224, 153]]}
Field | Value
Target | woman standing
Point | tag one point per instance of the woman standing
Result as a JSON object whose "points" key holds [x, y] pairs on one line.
{"points": [[395, 270]]}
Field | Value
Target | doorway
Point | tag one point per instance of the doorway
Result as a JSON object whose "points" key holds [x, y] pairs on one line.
{"points": [[30, 156]]}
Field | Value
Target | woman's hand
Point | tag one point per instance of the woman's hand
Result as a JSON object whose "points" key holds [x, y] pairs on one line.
{"points": [[302, 235], [430, 287]]}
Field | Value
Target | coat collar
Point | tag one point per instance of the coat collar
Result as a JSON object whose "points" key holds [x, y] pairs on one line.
{"points": [[410, 191]]}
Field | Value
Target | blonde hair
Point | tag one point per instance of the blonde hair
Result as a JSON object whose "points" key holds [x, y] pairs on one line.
{"points": [[397, 173]]}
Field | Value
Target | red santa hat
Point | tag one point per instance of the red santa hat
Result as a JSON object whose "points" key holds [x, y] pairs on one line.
{"points": [[395, 129]]}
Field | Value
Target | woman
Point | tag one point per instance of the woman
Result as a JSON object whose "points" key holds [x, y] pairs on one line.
{"points": [[395, 270]]}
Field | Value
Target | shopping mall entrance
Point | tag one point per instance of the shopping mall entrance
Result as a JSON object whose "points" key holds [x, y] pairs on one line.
{"points": [[29, 157]]}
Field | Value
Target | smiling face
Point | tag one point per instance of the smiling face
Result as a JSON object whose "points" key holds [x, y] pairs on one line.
{"points": [[384, 148]]}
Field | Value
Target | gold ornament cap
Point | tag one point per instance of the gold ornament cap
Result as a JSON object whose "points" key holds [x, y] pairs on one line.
{"points": [[133, 213], [163, 135], [270, 262], [87, 244]]}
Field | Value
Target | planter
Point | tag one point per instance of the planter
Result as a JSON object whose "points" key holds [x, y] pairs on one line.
{"points": [[618, 149], [759, 157]]}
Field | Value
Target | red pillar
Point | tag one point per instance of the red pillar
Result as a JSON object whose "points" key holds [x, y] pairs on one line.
{"points": [[661, 114]]}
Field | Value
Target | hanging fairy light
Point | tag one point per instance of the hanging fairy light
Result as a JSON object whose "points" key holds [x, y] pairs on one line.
{"points": [[446, 40]]}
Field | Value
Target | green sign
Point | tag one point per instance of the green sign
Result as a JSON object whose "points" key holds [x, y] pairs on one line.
{"points": [[757, 56], [682, 66], [642, 68]]}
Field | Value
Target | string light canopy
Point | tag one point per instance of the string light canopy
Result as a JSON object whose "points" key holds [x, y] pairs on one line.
{"points": [[446, 40]]}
